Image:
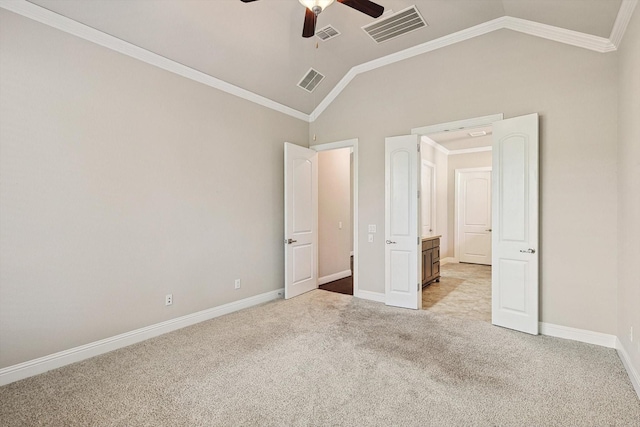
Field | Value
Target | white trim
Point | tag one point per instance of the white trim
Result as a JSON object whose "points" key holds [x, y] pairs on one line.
{"points": [[434, 195], [634, 375], [562, 35], [353, 144], [582, 335], [369, 295], [471, 123], [449, 260], [85, 32], [420, 49], [76, 354], [332, 277], [622, 20], [471, 150], [432, 143]]}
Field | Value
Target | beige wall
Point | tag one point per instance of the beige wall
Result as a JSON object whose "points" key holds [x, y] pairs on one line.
{"points": [[334, 206], [629, 191], [120, 183], [460, 161], [574, 91]]}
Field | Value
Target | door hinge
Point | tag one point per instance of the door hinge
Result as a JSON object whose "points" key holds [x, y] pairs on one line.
{"points": [[418, 194], [418, 147], [418, 240], [418, 286]]}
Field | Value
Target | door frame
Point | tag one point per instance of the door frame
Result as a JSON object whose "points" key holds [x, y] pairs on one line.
{"points": [[353, 144], [434, 188], [456, 210]]}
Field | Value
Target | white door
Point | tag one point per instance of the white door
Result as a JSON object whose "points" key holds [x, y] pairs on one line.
{"points": [[514, 283], [403, 262], [473, 213], [300, 219], [428, 198]]}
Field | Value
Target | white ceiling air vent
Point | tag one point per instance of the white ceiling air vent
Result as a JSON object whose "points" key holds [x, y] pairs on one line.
{"points": [[395, 25], [327, 33], [310, 80]]}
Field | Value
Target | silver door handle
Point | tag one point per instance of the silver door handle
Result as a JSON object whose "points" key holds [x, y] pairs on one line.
{"points": [[389, 242], [528, 251], [290, 241]]}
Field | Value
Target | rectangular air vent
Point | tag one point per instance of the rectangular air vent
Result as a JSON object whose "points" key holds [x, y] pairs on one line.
{"points": [[327, 33], [310, 80], [395, 25]]}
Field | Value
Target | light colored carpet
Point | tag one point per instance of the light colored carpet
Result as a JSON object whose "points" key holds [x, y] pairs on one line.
{"points": [[330, 359]]}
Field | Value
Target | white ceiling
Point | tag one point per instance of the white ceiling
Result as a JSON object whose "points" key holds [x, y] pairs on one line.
{"points": [[258, 46], [461, 140]]}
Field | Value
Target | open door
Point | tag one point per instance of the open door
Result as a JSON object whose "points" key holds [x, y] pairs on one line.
{"points": [[300, 220], [403, 263], [514, 282]]}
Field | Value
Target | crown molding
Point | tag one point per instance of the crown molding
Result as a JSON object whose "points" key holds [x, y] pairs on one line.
{"points": [[52, 19], [622, 20], [573, 38], [562, 35]]}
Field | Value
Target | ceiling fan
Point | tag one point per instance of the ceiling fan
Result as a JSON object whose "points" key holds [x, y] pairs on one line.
{"points": [[314, 7]]}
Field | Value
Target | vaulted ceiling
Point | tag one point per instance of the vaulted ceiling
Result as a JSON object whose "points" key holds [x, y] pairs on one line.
{"points": [[258, 46]]}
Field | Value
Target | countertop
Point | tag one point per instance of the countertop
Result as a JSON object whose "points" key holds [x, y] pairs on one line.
{"points": [[425, 239]]}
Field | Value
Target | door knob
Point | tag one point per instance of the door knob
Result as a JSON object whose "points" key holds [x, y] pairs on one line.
{"points": [[528, 251], [290, 241], [488, 229], [389, 242]]}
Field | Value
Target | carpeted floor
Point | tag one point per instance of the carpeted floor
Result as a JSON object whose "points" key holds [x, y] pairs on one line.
{"points": [[329, 359]]}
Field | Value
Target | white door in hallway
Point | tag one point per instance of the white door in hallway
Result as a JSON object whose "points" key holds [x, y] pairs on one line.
{"points": [[300, 219], [402, 223], [428, 198], [514, 282], [473, 213]]}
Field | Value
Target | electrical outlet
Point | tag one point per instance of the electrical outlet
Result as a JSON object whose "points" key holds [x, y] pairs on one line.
{"points": [[168, 299], [237, 284], [372, 228]]}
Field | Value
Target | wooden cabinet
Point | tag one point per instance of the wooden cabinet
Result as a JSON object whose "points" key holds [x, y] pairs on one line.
{"points": [[430, 260]]}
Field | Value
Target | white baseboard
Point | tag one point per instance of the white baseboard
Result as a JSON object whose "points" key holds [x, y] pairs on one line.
{"points": [[582, 335], [448, 260], [335, 276], [372, 296], [634, 376], [76, 354]]}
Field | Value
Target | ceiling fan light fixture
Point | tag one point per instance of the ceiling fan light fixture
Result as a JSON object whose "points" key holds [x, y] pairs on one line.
{"points": [[316, 6]]}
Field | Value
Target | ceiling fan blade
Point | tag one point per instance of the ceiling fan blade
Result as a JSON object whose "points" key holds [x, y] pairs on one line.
{"points": [[365, 6], [309, 28]]}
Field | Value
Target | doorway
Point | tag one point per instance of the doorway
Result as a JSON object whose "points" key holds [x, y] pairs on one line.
{"points": [[337, 216], [464, 156]]}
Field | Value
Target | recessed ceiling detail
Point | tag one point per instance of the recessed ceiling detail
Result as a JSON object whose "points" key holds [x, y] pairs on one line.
{"points": [[311, 80], [327, 33], [403, 22]]}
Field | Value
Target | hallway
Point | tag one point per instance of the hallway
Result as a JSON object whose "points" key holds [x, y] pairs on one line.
{"points": [[464, 290]]}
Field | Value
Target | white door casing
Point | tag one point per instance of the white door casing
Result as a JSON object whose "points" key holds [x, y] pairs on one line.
{"points": [[473, 215], [514, 284], [402, 223], [428, 198], [300, 219]]}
